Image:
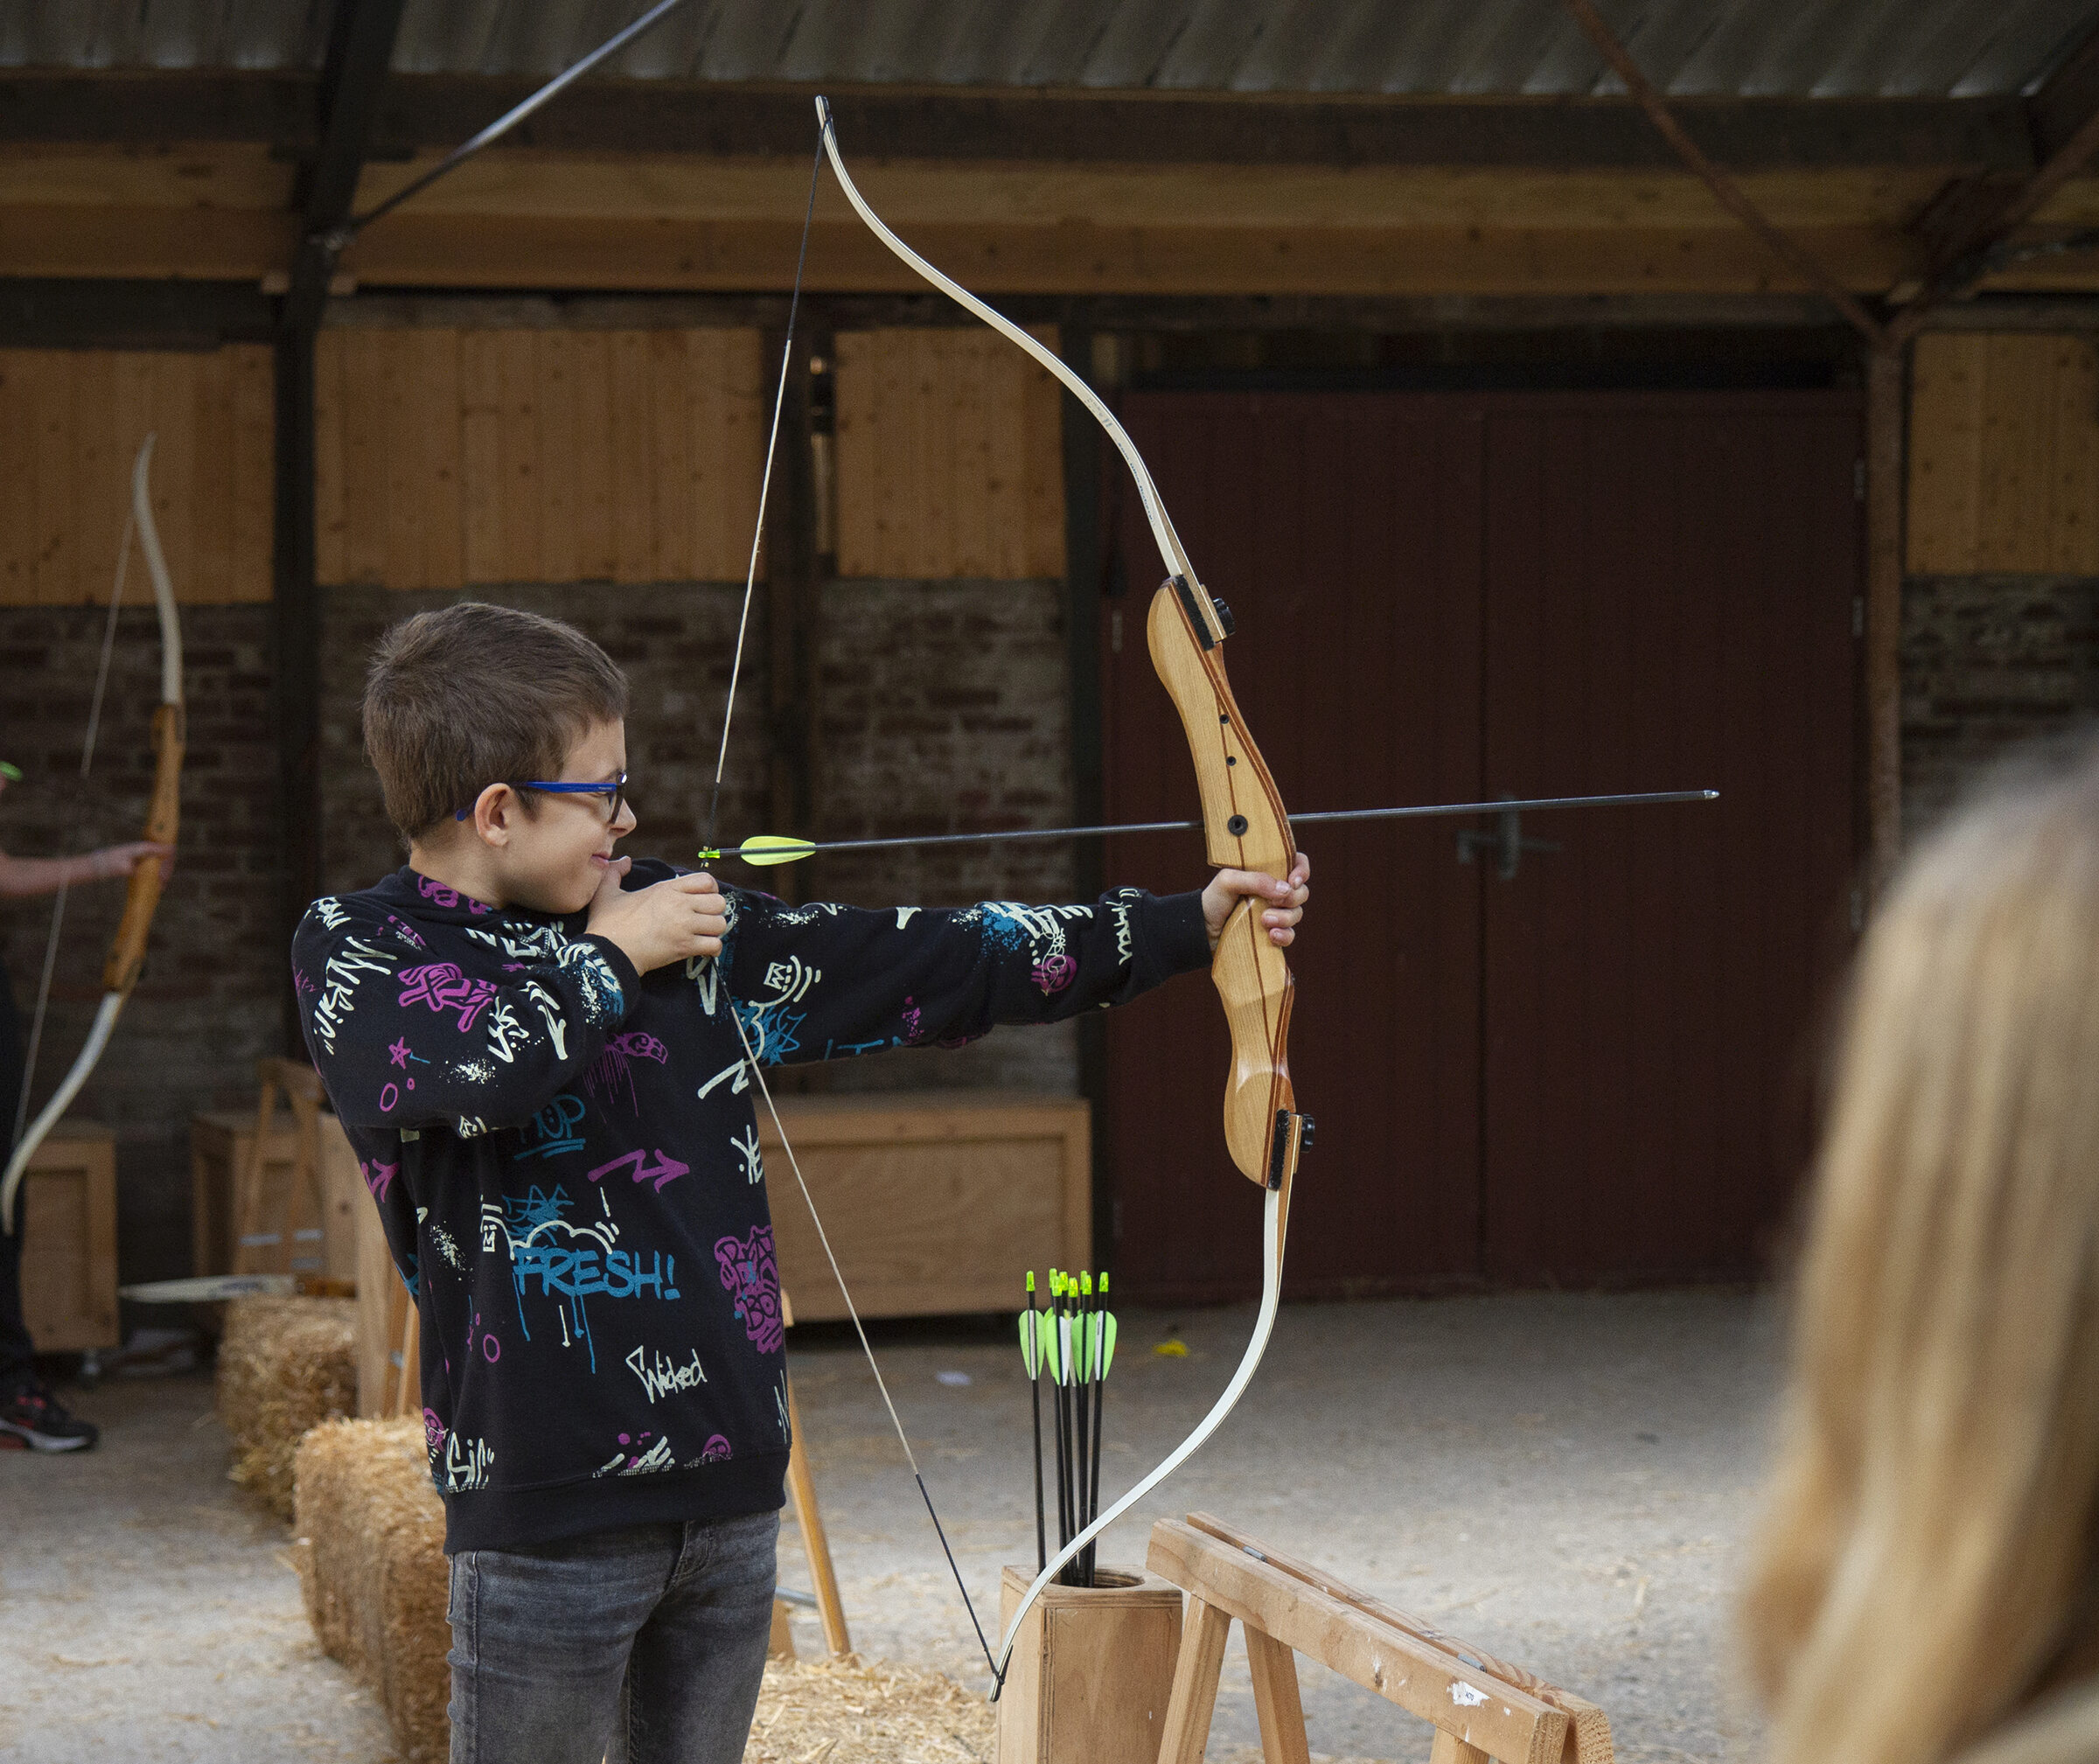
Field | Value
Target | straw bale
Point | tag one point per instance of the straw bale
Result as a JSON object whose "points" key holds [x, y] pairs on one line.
{"points": [[851, 1711], [284, 1365], [371, 1561]]}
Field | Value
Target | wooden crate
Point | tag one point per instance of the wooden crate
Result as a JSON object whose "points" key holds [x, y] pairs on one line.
{"points": [[68, 1222], [937, 1202], [219, 1144]]}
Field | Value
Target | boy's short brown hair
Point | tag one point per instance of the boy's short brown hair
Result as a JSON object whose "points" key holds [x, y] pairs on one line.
{"points": [[475, 695]]}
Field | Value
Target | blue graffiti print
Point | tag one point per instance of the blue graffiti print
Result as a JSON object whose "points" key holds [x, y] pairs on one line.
{"points": [[553, 1256], [554, 1130], [774, 1032]]}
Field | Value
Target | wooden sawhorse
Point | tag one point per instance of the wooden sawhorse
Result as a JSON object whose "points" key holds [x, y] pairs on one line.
{"points": [[1483, 1708], [301, 1200]]}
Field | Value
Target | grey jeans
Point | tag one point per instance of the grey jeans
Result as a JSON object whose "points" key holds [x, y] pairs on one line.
{"points": [[643, 1646]]}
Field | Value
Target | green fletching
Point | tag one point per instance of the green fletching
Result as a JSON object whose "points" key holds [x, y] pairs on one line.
{"points": [[1047, 1327], [1107, 1343], [1093, 1366], [1030, 1344], [12, 773]]}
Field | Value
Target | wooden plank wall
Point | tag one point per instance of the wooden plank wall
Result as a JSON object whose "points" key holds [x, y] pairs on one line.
{"points": [[2003, 449], [72, 422], [949, 462], [453, 457]]}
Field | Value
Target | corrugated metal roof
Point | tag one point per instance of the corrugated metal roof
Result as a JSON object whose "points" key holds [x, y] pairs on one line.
{"points": [[1749, 48]]}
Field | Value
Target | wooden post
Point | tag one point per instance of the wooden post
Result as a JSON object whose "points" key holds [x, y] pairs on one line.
{"points": [[815, 1545], [407, 1394], [1092, 1669], [1885, 379]]}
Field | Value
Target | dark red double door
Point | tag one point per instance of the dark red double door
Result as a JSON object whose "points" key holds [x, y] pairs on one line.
{"points": [[1596, 1070]]}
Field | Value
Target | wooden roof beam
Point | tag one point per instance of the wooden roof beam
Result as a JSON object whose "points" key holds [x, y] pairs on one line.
{"points": [[1971, 224], [1724, 189], [360, 50]]}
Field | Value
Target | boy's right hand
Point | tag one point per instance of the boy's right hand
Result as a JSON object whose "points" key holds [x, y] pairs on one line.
{"points": [[667, 922]]}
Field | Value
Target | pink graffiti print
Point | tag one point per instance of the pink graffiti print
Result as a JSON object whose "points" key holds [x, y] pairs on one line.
{"points": [[445, 897], [665, 1171], [749, 1272], [443, 987], [378, 1177], [433, 1432], [614, 1071], [914, 1021], [1054, 973], [715, 1450]]}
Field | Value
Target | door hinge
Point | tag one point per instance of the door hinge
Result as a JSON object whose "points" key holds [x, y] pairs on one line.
{"points": [[1859, 479], [1858, 616]]}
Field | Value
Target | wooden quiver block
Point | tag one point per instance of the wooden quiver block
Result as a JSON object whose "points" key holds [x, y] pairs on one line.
{"points": [[371, 1560], [284, 1365], [1092, 1669]]}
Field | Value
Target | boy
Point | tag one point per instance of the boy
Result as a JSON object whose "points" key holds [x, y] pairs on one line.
{"points": [[528, 1040]]}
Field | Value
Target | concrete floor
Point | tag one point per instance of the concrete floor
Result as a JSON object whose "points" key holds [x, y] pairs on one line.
{"points": [[1565, 1480]]}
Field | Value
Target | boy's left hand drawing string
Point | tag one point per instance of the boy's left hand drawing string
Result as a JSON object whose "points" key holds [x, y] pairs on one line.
{"points": [[126, 954]]}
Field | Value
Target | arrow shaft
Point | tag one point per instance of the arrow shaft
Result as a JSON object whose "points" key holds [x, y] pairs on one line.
{"points": [[1537, 804]]}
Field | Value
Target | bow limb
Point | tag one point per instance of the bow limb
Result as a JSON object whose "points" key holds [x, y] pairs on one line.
{"points": [[128, 947], [1246, 828], [1155, 510]]}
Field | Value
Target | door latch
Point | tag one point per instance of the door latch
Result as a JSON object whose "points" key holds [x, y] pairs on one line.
{"points": [[1506, 843]]}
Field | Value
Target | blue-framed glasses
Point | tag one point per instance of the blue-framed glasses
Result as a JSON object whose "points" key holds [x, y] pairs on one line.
{"points": [[615, 793]]}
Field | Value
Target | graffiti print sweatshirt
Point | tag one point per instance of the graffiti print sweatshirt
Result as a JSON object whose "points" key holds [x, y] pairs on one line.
{"points": [[565, 1158]]}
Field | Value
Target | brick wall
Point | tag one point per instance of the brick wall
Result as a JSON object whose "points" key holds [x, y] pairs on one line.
{"points": [[207, 1005], [1989, 662], [945, 709]]}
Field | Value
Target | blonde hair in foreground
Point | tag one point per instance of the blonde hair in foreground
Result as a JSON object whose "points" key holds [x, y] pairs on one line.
{"points": [[1924, 1569]]}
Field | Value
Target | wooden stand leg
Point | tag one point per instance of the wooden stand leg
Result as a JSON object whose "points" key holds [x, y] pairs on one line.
{"points": [[1275, 1700], [780, 1644], [1204, 1628], [248, 1187], [816, 1547], [1449, 1749], [407, 1398]]}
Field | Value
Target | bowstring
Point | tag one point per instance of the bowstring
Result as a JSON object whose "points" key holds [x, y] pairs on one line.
{"points": [[750, 1060], [860, 1329], [757, 535], [58, 904]]}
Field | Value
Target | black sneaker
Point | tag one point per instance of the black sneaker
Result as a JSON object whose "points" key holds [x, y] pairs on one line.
{"points": [[41, 1422]]}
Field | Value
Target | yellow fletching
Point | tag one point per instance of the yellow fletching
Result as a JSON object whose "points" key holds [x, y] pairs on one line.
{"points": [[768, 848]]}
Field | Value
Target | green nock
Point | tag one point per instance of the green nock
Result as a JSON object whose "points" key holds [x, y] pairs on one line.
{"points": [[12, 773]]}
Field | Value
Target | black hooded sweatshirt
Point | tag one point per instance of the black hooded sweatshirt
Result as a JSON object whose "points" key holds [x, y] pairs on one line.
{"points": [[565, 1155]]}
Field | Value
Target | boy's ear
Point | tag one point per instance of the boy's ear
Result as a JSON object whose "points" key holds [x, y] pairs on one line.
{"points": [[494, 815]]}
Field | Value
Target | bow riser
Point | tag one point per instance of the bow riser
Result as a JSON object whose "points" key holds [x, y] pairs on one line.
{"points": [[1246, 828], [163, 815]]}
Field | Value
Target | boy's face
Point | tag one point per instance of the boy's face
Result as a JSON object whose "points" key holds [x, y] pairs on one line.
{"points": [[554, 858]]}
